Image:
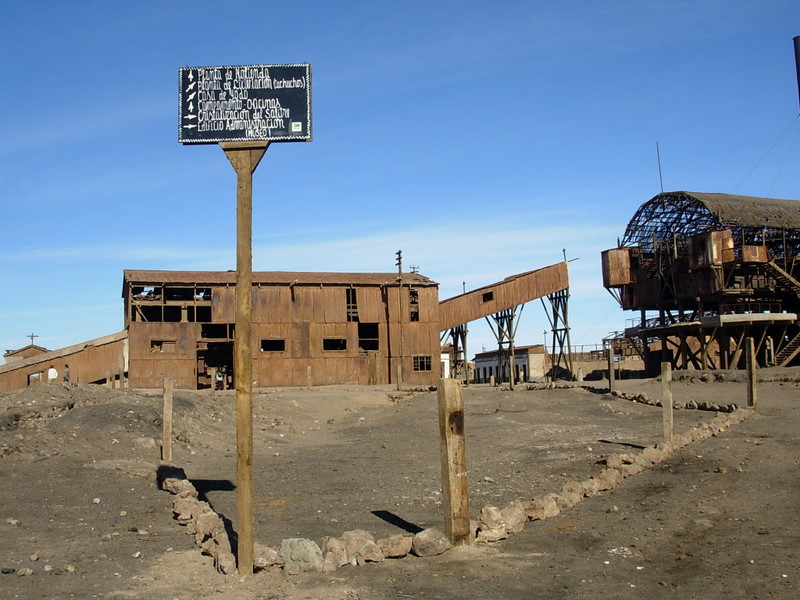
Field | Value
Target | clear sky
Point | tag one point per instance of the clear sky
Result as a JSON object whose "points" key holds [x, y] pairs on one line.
{"points": [[483, 139]]}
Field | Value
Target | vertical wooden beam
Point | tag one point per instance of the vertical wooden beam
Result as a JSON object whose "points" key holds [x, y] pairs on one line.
{"points": [[166, 421], [752, 373], [244, 157], [666, 400], [610, 368], [452, 446]]}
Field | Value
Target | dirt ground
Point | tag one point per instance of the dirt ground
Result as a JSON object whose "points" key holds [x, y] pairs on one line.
{"points": [[81, 515]]}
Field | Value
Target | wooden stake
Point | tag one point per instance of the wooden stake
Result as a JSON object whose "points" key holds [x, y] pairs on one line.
{"points": [[454, 462], [610, 369], [666, 400], [166, 419], [244, 157], [752, 374]]}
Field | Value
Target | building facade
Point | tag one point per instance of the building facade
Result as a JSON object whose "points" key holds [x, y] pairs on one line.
{"points": [[307, 328]]}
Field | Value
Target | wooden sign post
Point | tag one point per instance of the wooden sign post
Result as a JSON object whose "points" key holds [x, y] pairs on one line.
{"points": [[244, 109], [452, 445], [244, 156], [752, 373]]}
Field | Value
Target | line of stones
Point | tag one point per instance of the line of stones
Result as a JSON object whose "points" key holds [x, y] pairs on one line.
{"points": [[356, 547]]}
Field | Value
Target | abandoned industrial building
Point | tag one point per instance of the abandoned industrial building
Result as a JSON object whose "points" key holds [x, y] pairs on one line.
{"points": [[706, 272], [307, 329]]}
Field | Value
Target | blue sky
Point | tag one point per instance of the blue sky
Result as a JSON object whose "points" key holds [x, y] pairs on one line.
{"points": [[480, 138]]}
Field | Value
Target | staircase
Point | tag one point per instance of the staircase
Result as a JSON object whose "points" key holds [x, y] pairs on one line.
{"points": [[792, 349], [788, 352]]}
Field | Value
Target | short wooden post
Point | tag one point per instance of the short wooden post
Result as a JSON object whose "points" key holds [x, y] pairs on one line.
{"points": [[399, 377], [752, 374], [491, 380], [213, 381], [454, 462], [610, 369], [666, 400], [166, 419], [308, 378]]}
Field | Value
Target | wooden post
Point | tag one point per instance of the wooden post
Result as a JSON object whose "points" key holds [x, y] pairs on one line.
{"points": [[308, 378], [166, 419], [610, 369], [122, 375], [666, 400], [213, 381], [244, 157], [752, 374], [454, 462], [399, 376]]}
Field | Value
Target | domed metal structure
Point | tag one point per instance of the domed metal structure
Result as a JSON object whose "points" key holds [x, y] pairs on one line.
{"points": [[706, 271]]}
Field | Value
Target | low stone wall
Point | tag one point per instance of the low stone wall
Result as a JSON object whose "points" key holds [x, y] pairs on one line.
{"points": [[357, 547]]}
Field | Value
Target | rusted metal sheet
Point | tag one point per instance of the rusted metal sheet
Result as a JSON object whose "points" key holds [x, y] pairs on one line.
{"points": [[512, 291]]}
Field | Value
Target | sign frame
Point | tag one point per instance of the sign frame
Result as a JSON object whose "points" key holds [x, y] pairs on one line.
{"points": [[244, 103]]}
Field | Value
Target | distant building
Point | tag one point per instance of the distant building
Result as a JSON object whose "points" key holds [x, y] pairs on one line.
{"points": [[529, 362], [11, 356]]}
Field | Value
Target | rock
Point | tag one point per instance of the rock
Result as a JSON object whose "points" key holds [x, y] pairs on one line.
{"points": [[396, 546], [225, 562], [607, 479], [542, 508], [179, 487], [361, 546], [24, 572], [300, 555], [514, 516], [334, 554], [589, 487], [430, 542], [628, 470], [267, 557], [571, 494], [491, 527]]}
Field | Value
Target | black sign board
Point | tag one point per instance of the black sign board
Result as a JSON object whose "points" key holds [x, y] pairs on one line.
{"points": [[245, 103]]}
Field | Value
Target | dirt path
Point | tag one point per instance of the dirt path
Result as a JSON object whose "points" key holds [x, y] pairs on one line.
{"points": [[81, 511]]}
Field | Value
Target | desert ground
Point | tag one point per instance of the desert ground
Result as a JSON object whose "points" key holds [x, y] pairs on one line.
{"points": [[82, 514]]}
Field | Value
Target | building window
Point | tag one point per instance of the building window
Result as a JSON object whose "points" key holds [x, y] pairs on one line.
{"points": [[413, 303], [352, 305], [162, 346], [273, 345], [488, 296], [334, 344], [368, 336], [422, 363]]}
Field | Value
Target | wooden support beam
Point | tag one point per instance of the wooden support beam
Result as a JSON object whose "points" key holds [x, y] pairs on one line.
{"points": [[752, 374]]}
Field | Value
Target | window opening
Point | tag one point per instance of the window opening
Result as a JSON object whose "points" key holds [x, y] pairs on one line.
{"points": [[334, 344], [413, 303], [368, 336], [422, 363], [273, 345], [163, 346], [216, 331], [488, 296], [352, 305]]}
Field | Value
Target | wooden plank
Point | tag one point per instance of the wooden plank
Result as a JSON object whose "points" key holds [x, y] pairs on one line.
{"points": [[166, 421]]}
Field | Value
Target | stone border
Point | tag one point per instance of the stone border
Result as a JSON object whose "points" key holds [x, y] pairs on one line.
{"points": [[357, 547]]}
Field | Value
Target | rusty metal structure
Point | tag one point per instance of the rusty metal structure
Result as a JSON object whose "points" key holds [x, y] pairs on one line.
{"points": [[501, 305], [705, 271]]}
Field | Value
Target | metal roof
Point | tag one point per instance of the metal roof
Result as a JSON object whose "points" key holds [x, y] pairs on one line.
{"points": [[687, 213], [143, 277]]}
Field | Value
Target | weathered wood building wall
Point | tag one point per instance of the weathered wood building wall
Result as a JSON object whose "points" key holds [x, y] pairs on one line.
{"points": [[89, 362], [317, 328]]}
